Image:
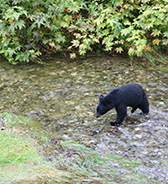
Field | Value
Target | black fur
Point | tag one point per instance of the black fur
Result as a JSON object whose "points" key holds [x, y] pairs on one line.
{"points": [[131, 95]]}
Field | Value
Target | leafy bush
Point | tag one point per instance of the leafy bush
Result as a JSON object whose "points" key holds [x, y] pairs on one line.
{"points": [[132, 26], [28, 28]]}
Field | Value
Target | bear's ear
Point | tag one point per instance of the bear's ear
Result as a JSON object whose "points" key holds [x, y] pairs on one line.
{"points": [[101, 97]]}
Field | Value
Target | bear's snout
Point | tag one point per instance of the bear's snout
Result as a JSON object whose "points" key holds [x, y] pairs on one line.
{"points": [[97, 115]]}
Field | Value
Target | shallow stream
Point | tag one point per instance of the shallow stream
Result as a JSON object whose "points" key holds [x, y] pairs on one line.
{"points": [[63, 98]]}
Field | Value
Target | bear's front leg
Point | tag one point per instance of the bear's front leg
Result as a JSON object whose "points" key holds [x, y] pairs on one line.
{"points": [[133, 110], [121, 114], [115, 123]]}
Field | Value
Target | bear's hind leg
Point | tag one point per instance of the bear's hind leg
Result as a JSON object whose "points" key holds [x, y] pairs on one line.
{"points": [[144, 106]]}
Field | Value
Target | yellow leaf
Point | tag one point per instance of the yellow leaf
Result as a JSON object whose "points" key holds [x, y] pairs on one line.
{"points": [[136, 6], [10, 21], [41, 33], [38, 9], [51, 44], [121, 9], [148, 48], [139, 76], [156, 41], [54, 17], [121, 41], [51, 172], [126, 6], [3, 39]]}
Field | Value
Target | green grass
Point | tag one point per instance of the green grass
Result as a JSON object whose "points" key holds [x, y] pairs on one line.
{"points": [[21, 159], [24, 146], [15, 150], [22, 125], [124, 162]]}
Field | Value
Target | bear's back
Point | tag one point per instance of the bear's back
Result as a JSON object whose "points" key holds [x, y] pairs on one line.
{"points": [[128, 94]]}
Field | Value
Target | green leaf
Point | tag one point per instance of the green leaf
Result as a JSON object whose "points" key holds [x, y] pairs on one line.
{"points": [[148, 26], [127, 31], [165, 34], [119, 49], [19, 24], [75, 43], [9, 52], [99, 21], [131, 51], [72, 55], [156, 32], [165, 42]]}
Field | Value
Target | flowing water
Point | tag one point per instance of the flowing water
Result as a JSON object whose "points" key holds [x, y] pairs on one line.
{"points": [[63, 98]]}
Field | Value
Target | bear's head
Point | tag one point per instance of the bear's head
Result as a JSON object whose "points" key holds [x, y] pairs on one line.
{"points": [[103, 106]]}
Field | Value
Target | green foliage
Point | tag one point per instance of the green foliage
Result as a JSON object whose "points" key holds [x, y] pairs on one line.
{"points": [[28, 28], [134, 26]]}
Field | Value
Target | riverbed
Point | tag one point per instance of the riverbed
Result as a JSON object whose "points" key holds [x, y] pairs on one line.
{"points": [[63, 97]]}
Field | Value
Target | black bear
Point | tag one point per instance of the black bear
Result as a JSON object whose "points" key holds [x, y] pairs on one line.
{"points": [[132, 95]]}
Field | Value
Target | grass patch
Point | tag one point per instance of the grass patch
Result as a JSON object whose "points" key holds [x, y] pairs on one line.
{"points": [[21, 158], [124, 162], [15, 149], [85, 163], [23, 126], [30, 155]]}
